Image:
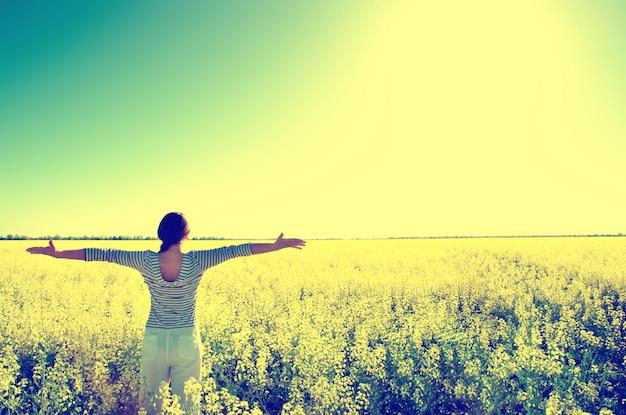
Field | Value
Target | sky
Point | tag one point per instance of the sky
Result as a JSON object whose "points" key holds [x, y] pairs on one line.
{"points": [[319, 119]]}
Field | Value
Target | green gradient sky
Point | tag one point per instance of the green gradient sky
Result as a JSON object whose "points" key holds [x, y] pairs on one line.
{"points": [[318, 119]]}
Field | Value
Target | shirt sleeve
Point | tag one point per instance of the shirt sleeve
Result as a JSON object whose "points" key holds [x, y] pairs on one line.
{"points": [[212, 257], [132, 259]]}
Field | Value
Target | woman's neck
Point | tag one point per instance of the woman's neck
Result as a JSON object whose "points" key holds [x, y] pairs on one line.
{"points": [[177, 248]]}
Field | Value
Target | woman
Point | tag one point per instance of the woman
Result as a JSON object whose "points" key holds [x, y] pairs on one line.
{"points": [[171, 350]]}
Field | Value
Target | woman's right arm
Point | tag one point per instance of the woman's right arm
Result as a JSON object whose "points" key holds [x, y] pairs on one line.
{"points": [[51, 250]]}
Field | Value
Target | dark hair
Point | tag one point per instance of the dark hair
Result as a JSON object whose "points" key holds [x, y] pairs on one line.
{"points": [[172, 229]]}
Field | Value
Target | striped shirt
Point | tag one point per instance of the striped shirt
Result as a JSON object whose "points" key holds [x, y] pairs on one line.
{"points": [[172, 304]]}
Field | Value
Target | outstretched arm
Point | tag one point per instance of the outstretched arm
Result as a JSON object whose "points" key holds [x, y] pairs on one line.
{"points": [[52, 251], [280, 243]]}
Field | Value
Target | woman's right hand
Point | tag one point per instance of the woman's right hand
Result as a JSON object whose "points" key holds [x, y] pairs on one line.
{"points": [[43, 250]]}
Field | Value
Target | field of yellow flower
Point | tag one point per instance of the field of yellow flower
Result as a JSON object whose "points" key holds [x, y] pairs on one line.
{"points": [[446, 326]]}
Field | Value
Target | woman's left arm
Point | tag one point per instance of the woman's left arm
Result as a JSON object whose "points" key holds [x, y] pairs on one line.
{"points": [[51, 250]]}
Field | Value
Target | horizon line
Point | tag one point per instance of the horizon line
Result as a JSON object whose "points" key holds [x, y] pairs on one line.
{"points": [[17, 237]]}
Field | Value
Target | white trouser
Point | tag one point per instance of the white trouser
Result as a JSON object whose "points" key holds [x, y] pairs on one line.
{"points": [[172, 356]]}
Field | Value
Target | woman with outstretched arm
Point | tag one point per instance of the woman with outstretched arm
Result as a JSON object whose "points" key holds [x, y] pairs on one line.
{"points": [[171, 350]]}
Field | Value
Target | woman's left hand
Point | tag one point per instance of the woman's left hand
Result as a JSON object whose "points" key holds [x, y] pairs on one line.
{"points": [[282, 242]]}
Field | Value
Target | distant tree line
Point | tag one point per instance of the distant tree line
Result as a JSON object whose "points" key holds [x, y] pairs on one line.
{"points": [[14, 237], [595, 235]]}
